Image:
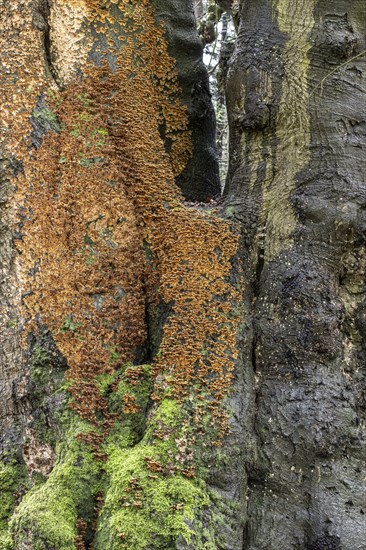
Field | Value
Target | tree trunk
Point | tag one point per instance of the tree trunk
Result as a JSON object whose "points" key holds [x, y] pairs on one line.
{"points": [[119, 329], [200, 178], [296, 183], [198, 9], [178, 374]]}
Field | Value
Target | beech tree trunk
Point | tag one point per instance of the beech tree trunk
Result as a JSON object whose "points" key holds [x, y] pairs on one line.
{"points": [[176, 371], [295, 84]]}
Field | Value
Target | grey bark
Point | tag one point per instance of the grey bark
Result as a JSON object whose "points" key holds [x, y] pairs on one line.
{"points": [[198, 9], [200, 179], [306, 296]]}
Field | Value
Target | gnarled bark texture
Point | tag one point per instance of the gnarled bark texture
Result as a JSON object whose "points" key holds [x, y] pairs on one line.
{"points": [[110, 277], [200, 178]]}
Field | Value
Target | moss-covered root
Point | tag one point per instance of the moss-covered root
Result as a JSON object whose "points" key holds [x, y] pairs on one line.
{"points": [[47, 517], [146, 509], [12, 480], [153, 499]]}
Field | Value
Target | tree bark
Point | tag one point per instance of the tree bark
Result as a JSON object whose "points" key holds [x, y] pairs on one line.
{"points": [[110, 277], [200, 179], [296, 183], [178, 374]]}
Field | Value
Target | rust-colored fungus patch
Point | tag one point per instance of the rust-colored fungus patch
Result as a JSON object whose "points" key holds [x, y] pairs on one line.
{"points": [[107, 233], [84, 253], [106, 244]]}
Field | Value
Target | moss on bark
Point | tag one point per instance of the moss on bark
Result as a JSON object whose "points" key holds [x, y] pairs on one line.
{"points": [[13, 479], [153, 493], [47, 515]]}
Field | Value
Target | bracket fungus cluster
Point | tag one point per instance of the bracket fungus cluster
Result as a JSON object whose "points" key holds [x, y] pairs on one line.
{"points": [[106, 238]]}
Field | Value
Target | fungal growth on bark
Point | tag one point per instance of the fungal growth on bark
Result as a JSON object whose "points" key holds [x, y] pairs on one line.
{"points": [[124, 288]]}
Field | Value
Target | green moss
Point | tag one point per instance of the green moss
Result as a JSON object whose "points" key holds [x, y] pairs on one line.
{"points": [[169, 411], [40, 366], [40, 356], [86, 117], [150, 503], [152, 498], [47, 367], [50, 511], [115, 356], [84, 99], [69, 324], [54, 98], [6, 542], [75, 131], [12, 479], [99, 135], [144, 509], [130, 425], [88, 162], [51, 508], [45, 116]]}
